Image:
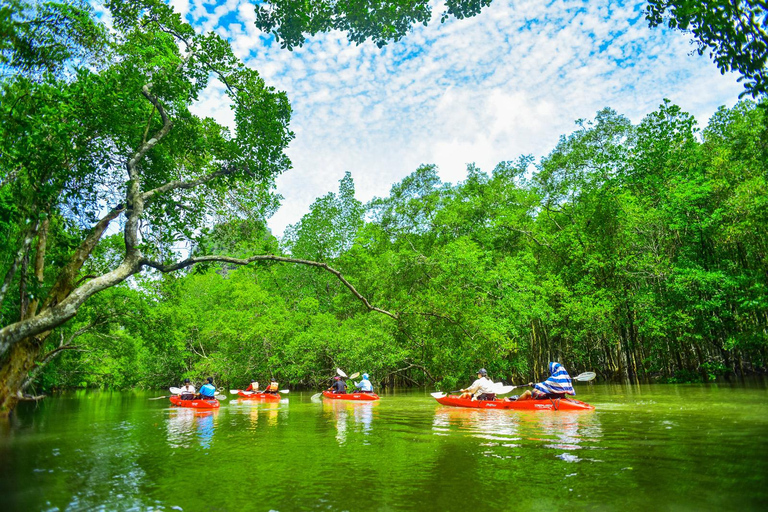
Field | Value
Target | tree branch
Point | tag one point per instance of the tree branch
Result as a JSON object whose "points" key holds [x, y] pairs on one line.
{"points": [[134, 198], [181, 184], [265, 257]]}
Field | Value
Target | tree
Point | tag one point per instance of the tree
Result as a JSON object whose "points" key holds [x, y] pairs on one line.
{"points": [[380, 21], [733, 31], [97, 135]]}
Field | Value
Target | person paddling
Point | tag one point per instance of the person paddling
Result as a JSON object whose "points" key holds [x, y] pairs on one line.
{"points": [[339, 386], [207, 390], [254, 386], [481, 389], [364, 385], [272, 388], [558, 385], [187, 390]]}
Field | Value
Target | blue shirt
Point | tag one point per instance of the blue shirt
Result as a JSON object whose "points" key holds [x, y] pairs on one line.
{"points": [[208, 390], [364, 385]]}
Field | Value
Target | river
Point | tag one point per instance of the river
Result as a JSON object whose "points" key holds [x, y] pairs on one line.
{"points": [[646, 447]]}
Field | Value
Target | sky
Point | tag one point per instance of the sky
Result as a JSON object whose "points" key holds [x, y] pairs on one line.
{"points": [[508, 82]]}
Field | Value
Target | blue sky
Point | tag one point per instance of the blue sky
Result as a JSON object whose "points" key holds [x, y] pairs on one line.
{"points": [[507, 82]]}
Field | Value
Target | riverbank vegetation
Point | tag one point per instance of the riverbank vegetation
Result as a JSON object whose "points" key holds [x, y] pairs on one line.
{"points": [[637, 251], [634, 250]]}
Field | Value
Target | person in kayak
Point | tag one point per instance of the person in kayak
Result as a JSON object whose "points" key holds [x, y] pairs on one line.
{"points": [[339, 386], [272, 388], [481, 389], [187, 390], [254, 386], [207, 390], [558, 385], [364, 385]]}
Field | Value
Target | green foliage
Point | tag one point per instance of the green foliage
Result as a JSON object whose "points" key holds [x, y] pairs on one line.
{"points": [[733, 32], [380, 21]]}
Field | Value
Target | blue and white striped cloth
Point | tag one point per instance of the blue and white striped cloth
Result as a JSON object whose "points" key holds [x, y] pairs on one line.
{"points": [[558, 382]]}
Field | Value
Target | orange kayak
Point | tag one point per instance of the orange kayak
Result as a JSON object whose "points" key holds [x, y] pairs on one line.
{"points": [[258, 396], [351, 396], [197, 404], [557, 404]]}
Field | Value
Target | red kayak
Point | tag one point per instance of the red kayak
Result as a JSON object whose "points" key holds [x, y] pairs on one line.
{"points": [[197, 404], [259, 396], [557, 404], [351, 396]]}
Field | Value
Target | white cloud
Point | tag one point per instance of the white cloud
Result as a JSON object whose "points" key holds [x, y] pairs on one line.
{"points": [[507, 82]]}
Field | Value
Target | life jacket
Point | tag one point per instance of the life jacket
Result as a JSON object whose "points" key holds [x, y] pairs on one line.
{"points": [[272, 387]]}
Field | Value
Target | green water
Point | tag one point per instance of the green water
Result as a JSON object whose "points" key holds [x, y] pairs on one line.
{"points": [[657, 447]]}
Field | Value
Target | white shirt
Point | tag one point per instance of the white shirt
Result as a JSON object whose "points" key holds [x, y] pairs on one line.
{"points": [[481, 385], [189, 389]]}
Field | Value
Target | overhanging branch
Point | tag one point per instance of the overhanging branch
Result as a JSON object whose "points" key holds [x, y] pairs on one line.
{"points": [[265, 257]]}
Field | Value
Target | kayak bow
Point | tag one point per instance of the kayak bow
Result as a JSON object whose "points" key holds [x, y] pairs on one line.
{"points": [[557, 404]]}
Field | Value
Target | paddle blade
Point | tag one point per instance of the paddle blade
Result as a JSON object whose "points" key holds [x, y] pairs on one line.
{"points": [[234, 391], [285, 391], [439, 394], [175, 391], [503, 390], [316, 396], [585, 377], [341, 373], [354, 375], [247, 393]]}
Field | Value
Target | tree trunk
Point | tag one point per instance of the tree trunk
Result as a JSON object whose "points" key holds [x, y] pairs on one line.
{"points": [[20, 361]]}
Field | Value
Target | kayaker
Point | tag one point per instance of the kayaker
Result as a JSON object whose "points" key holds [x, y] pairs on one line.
{"points": [[187, 390], [207, 390], [481, 389], [558, 385], [272, 388], [254, 386], [364, 385], [339, 386]]}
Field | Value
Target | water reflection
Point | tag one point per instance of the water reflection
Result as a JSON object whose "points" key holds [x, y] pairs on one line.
{"points": [[361, 414], [187, 424], [493, 425], [266, 413], [564, 432]]}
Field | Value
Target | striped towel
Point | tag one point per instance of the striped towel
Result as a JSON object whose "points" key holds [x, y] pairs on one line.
{"points": [[558, 382]]}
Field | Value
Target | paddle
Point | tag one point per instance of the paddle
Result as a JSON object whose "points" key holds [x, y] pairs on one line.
{"points": [[440, 394], [217, 397], [342, 374]]}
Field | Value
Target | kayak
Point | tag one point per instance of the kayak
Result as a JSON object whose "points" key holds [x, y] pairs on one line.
{"points": [[557, 404], [259, 396], [197, 404], [351, 396]]}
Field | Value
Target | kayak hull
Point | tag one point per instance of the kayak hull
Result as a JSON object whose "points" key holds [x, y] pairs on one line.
{"points": [[351, 396], [195, 404], [557, 404], [259, 396]]}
